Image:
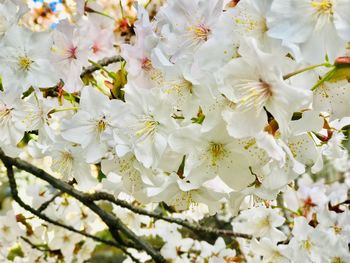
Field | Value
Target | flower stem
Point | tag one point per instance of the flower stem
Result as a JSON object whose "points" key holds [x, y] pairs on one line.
{"points": [[286, 209], [326, 64], [64, 109]]}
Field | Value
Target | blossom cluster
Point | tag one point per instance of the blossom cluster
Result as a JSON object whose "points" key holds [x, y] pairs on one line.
{"points": [[27, 239], [212, 106]]}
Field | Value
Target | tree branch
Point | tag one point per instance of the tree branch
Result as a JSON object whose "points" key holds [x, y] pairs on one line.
{"points": [[194, 227], [103, 62], [15, 196], [35, 246], [114, 224], [48, 202]]}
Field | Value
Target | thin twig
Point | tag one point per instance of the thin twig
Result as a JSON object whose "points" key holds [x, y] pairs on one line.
{"points": [[15, 196], [36, 246], [103, 62], [194, 227], [48, 202], [114, 224]]}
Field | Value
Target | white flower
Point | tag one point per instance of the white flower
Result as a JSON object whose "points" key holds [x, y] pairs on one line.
{"points": [[64, 240], [177, 249], [269, 250], [217, 253], [179, 90], [25, 59], [36, 116], [336, 227], [211, 154], [333, 98], [68, 161], [249, 18], [302, 144], [99, 31], [319, 27], [9, 229], [85, 251], [182, 194], [10, 14], [70, 52], [260, 222], [140, 66], [304, 246], [185, 25], [334, 148], [254, 83], [91, 126], [146, 123], [11, 125], [127, 173]]}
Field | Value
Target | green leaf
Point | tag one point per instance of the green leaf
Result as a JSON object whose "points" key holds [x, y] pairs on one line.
{"points": [[15, 252], [28, 92], [119, 81], [340, 71], [1, 87]]}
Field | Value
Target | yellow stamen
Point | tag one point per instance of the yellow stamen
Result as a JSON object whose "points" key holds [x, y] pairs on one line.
{"points": [[201, 32], [217, 152], [337, 260], [5, 229], [307, 245], [101, 126], [337, 229], [254, 94], [24, 63], [323, 7], [148, 126]]}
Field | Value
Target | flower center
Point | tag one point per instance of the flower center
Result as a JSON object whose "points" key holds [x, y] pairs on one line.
{"points": [[200, 32], [5, 229], [217, 152], [324, 7], [263, 24], [66, 239], [307, 245], [337, 229], [96, 48], [101, 126], [154, 74], [179, 86], [337, 260], [265, 222], [72, 51], [24, 63], [146, 64], [253, 94], [148, 126]]}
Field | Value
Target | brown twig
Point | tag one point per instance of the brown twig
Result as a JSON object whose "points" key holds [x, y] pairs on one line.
{"points": [[103, 62], [48, 202], [114, 224], [194, 227]]}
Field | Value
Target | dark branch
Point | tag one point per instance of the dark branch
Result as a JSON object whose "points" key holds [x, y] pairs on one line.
{"points": [[103, 62], [48, 202], [194, 227], [114, 224], [35, 246], [15, 196]]}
